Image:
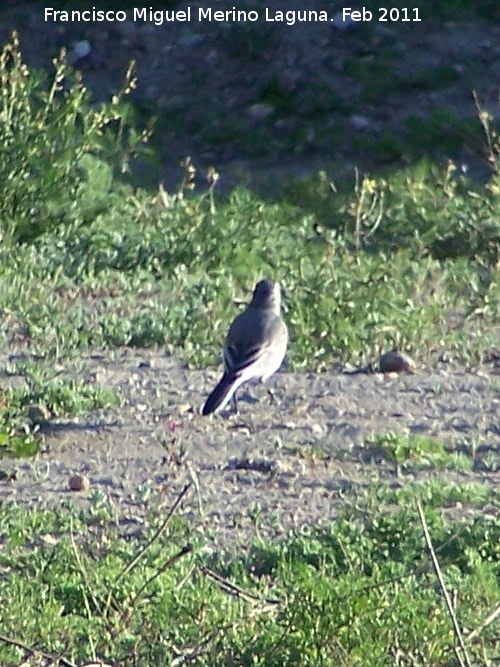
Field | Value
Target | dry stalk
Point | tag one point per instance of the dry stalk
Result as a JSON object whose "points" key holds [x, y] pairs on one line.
{"points": [[462, 655], [487, 621], [34, 652], [232, 589], [133, 563], [180, 554]]}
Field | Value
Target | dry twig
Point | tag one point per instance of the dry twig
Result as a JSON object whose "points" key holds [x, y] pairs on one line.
{"points": [[232, 589], [156, 536], [34, 651], [185, 550], [462, 655]]}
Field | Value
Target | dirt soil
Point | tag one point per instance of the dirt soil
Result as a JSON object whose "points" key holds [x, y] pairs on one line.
{"points": [[289, 463], [265, 100]]}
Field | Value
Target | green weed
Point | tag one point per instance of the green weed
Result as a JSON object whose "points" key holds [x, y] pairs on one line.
{"points": [[56, 150], [360, 590], [410, 260], [414, 453], [25, 409]]}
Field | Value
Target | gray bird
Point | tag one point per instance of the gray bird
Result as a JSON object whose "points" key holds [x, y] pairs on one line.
{"points": [[255, 345]]}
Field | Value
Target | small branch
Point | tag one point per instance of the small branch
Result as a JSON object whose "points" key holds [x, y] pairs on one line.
{"points": [[155, 537], [449, 605], [83, 574], [34, 651], [228, 587], [487, 621], [180, 554], [190, 652], [194, 479]]}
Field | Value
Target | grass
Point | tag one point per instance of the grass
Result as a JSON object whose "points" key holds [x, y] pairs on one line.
{"points": [[40, 397], [412, 453], [360, 591], [409, 261]]}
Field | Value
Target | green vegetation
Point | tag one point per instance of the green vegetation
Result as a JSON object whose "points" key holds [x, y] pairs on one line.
{"points": [[414, 453], [411, 260], [362, 591], [24, 410]]}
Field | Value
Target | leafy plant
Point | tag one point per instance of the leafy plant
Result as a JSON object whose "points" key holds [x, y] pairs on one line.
{"points": [[55, 147], [358, 590], [414, 452]]}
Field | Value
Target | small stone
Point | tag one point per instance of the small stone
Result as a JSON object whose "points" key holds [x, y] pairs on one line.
{"points": [[79, 483], [340, 23], [285, 125], [360, 122], [81, 50], [260, 111], [317, 429], [396, 362]]}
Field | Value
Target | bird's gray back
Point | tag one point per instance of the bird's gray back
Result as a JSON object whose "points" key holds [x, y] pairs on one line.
{"points": [[252, 330]]}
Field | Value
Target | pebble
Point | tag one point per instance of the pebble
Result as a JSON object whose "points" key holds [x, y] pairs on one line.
{"points": [[260, 110], [79, 483], [317, 429], [359, 122], [396, 362], [340, 23], [80, 51]]}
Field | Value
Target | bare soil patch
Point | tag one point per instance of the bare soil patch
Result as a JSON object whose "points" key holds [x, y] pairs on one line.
{"points": [[289, 464], [262, 101]]}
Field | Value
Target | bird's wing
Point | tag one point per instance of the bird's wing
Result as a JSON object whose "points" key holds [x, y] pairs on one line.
{"points": [[251, 336]]}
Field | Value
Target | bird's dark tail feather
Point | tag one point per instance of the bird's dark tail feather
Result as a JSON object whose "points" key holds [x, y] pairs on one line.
{"points": [[220, 394]]}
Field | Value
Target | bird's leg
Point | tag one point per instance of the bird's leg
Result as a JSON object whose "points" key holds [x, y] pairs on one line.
{"points": [[235, 404], [272, 396]]}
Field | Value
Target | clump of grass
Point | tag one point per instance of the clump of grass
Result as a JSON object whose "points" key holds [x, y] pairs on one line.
{"points": [[436, 492], [25, 409], [426, 209], [360, 590], [160, 277], [414, 453], [64, 398], [56, 150]]}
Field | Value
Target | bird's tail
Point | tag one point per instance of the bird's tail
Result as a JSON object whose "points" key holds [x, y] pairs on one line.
{"points": [[221, 394]]}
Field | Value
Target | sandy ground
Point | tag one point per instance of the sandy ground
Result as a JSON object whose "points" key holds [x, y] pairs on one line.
{"points": [[287, 464]]}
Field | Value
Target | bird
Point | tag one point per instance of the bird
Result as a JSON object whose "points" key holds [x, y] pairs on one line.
{"points": [[255, 345]]}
